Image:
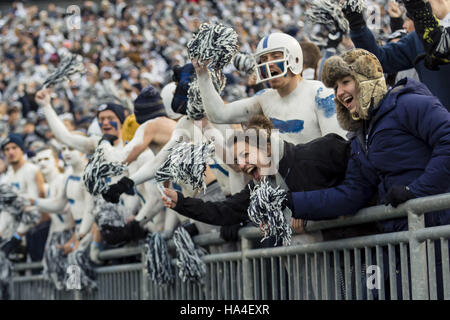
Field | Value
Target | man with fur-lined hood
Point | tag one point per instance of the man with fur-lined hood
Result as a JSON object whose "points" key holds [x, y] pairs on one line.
{"points": [[400, 143]]}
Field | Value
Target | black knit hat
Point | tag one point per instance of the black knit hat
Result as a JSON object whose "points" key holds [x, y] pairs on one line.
{"points": [[116, 108], [148, 105], [14, 138]]}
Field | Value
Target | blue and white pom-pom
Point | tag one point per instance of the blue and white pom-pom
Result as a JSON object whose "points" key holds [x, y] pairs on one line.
{"points": [[195, 103], [329, 14], [6, 272], [266, 210], [215, 44], [18, 206], [186, 163], [108, 214], [158, 264], [55, 260], [244, 63], [70, 65], [191, 266], [98, 171], [87, 275], [354, 5]]}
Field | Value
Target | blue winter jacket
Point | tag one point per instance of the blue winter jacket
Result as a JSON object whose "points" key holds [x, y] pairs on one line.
{"points": [[407, 142], [400, 56]]}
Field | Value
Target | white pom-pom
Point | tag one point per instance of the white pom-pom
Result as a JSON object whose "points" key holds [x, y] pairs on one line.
{"points": [[158, 260], [6, 273], [244, 62], [108, 214], [216, 44], [195, 103], [354, 5], [88, 275], [266, 210], [329, 14], [55, 260], [98, 171], [186, 163], [191, 266], [18, 206], [70, 65]]}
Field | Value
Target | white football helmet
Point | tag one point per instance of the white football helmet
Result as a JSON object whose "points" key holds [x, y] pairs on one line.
{"points": [[292, 56]]}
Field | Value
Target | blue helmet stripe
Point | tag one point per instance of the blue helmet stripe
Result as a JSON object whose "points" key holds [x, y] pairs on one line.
{"points": [[266, 39]]}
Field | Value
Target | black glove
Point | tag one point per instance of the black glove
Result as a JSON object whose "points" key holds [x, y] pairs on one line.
{"points": [[182, 76], [430, 33], [230, 233], [10, 245], [109, 137], [334, 39], [397, 195], [190, 228], [132, 231], [115, 190], [355, 19]]}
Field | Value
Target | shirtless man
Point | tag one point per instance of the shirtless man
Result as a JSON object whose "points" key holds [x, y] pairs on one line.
{"points": [[61, 227], [73, 193], [301, 109], [188, 130]]}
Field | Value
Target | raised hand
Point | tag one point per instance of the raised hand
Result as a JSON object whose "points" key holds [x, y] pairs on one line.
{"points": [[171, 198]]}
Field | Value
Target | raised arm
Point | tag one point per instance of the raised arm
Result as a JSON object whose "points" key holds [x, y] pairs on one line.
{"points": [[84, 144], [394, 57], [216, 110], [147, 172]]}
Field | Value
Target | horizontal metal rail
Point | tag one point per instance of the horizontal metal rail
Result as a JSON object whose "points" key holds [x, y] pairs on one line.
{"points": [[315, 270]]}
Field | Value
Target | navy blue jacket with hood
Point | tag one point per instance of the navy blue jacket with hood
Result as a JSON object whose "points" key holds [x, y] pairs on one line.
{"points": [[405, 142]]}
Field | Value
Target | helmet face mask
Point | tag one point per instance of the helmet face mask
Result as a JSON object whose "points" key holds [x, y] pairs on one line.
{"points": [[263, 72], [292, 56]]}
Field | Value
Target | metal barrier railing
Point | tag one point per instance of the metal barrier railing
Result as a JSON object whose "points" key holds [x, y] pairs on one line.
{"points": [[411, 264]]}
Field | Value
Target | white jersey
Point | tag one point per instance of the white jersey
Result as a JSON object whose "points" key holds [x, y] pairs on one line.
{"points": [[305, 114]]}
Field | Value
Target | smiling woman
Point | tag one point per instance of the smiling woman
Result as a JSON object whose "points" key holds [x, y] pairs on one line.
{"points": [[318, 164]]}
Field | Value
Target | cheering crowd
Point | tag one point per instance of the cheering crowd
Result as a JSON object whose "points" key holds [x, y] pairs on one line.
{"points": [[164, 121]]}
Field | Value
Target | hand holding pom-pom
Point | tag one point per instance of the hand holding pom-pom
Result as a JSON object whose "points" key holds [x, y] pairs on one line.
{"points": [[213, 45]]}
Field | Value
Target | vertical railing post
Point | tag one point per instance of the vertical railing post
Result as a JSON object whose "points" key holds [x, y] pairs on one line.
{"points": [[144, 278], [247, 269], [418, 257], [77, 294]]}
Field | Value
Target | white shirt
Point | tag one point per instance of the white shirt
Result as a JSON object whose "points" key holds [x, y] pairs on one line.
{"points": [[307, 113]]}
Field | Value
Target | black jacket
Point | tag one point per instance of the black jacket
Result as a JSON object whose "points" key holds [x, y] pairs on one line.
{"points": [[318, 164]]}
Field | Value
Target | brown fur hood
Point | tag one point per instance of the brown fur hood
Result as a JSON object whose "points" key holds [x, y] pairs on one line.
{"points": [[365, 68]]}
